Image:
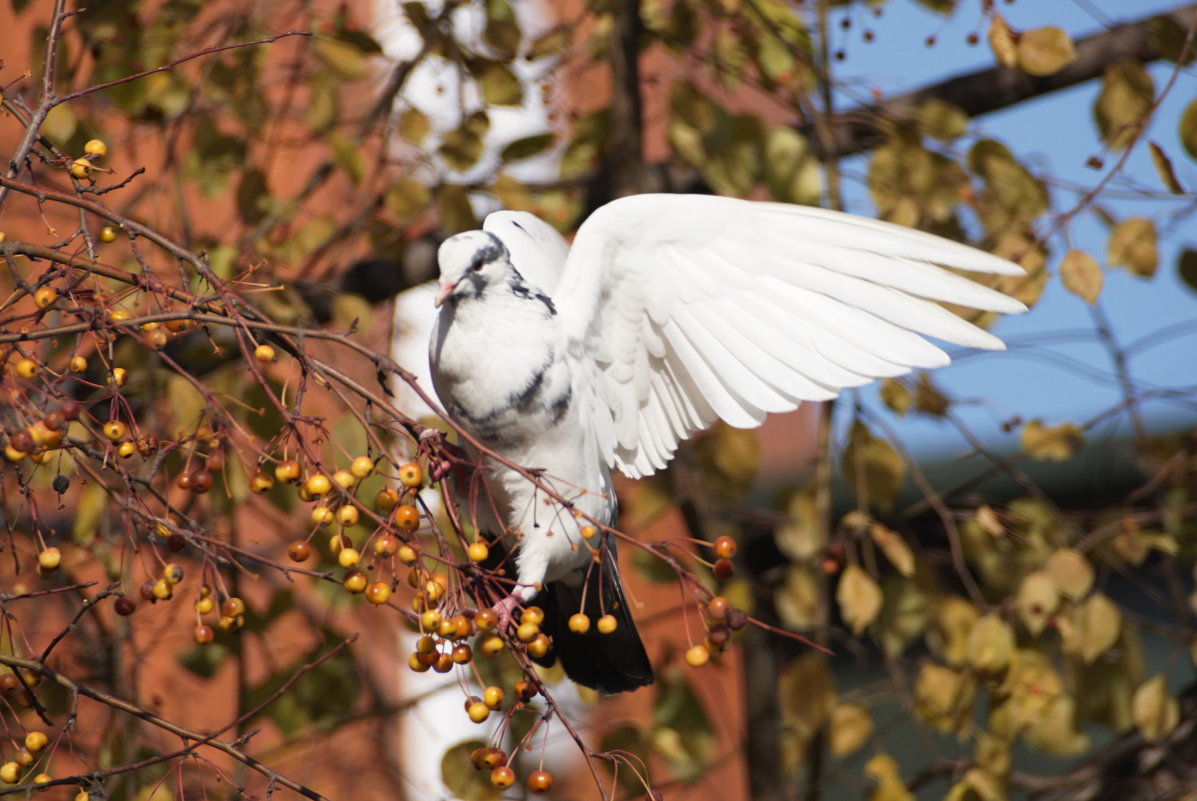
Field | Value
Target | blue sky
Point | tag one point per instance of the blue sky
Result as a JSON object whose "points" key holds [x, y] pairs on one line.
{"points": [[1048, 373]]}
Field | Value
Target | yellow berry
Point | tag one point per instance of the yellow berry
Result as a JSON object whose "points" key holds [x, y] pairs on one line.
{"points": [[265, 354], [431, 619], [322, 516], [96, 147], [698, 656], [49, 559], [348, 557], [78, 364], [261, 482], [386, 500], [355, 581], [172, 573], [579, 623], [378, 593], [10, 773], [491, 645], [533, 614], [118, 377], [479, 711], [126, 449], [114, 430], [588, 532], [205, 605], [493, 697], [27, 368], [478, 552], [347, 515], [411, 474], [527, 632], [539, 645], [502, 777], [344, 479], [107, 234], [12, 454], [287, 471], [407, 555], [43, 778], [163, 590], [45, 296], [80, 168], [607, 624], [317, 485], [36, 741], [541, 781]]}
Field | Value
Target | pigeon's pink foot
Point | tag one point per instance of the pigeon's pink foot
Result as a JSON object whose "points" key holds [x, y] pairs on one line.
{"points": [[505, 610]]}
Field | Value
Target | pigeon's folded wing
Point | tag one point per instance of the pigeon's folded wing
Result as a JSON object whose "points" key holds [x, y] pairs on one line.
{"points": [[680, 309]]}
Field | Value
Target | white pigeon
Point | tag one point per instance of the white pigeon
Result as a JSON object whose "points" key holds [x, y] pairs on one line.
{"points": [[668, 313]]}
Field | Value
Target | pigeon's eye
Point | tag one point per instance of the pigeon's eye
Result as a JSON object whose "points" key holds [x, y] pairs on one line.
{"points": [[476, 266]]}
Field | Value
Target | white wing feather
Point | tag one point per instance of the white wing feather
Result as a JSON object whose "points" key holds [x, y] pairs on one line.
{"points": [[680, 309]]}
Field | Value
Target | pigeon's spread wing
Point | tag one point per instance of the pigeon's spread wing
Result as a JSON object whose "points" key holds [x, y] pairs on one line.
{"points": [[680, 309], [537, 250]]}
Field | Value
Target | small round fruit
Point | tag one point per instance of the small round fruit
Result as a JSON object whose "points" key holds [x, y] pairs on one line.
{"points": [[478, 552], [338, 542], [411, 474], [36, 741], [488, 758], [698, 656], [265, 354], [355, 581], [588, 532], [723, 569], [430, 620], [347, 516], [49, 559], [126, 450], [232, 607], [204, 605], [539, 645], [318, 485], [502, 777], [82, 795], [201, 481], [378, 593], [45, 296], [491, 645], [203, 634], [533, 614], [725, 547], [486, 619], [107, 234], [163, 590], [607, 624], [362, 467], [540, 782], [27, 368], [24, 757], [344, 479], [287, 471], [386, 500], [462, 654], [386, 545], [119, 376], [10, 773], [54, 420], [124, 606], [78, 364], [172, 573], [415, 663], [493, 697], [80, 169], [527, 632], [21, 441], [228, 623], [177, 326], [407, 554], [43, 778], [407, 517], [96, 147], [348, 557], [443, 663], [718, 607], [114, 430], [579, 623], [261, 483], [479, 711], [299, 551]]}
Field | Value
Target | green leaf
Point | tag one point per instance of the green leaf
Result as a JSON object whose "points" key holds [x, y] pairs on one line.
{"points": [[345, 60], [859, 598], [872, 467], [807, 693], [413, 126], [347, 156], [406, 200], [464, 781], [551, 43], [461, 148], [1126, 98], [499, 85], [502, 32], [1188, 129], [791, 170], [527, 146], [456, 213], [1133, 245], [941, 120]]}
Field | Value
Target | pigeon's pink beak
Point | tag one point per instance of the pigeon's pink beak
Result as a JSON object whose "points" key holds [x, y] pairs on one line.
{"points": [[445, 290]]}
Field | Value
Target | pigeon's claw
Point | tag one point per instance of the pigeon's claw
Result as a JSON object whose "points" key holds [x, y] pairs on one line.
{"points": [[505, 610]]}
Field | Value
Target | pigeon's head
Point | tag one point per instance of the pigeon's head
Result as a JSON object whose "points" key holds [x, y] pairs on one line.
{"points": [[469, 263]]}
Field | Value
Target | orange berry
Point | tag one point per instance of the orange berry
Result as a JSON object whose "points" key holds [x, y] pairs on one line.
{"points": [[411, 474], [725, 547], [407, 517], [697, 656], [540, 782], [539, 645], [378, 593], [607, 624], [49, 559], [287, 471], [114, 430], [491, 645], [579, 623], [107, 234], [533, 614], [386, 545], [299, 551], [502, 777], [355, 581], [493, 697], [203, 634], [27, 368], [265, 354], [96, 147], [45, 296], [478, 552], [486, 619], [232, 607], [718, 607], [386, 500]]}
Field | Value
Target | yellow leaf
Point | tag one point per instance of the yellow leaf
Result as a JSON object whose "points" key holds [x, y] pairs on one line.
{"points": [[1098, 625], [944, 697], [873, 467], [1071, 572], [1126, 98], [941, 120], [1054, 730], [1050, 443], [954, 620], [990, 644], [988, 520], [1044, 51], [894, 547], [800, 598], [1037, 600], [851, 726], [1188, 129], [1081, 275], [800, 536], [1155, 712], [1133, 245], [1001, 41], [807, 693], [1163, 168], [859, 598], [406, 199], [896, 395], [882, 768], [345, 60]]}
